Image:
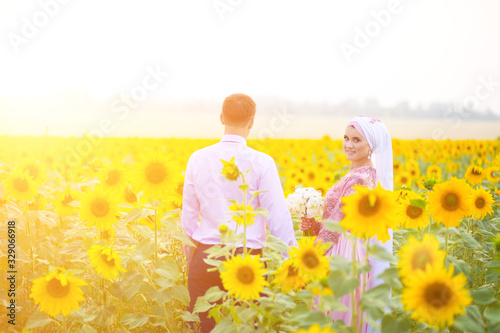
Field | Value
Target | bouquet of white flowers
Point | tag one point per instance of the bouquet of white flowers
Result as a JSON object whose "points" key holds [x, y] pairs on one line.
{"points": [[307, 202]]}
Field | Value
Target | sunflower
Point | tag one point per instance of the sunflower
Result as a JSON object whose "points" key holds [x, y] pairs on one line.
{"points": [[422, 182], [315, 328], [57, 292], [288, 277], [414, 169], [403, 178], [417, 255], [435, 296], [434, 171], [244, 277], [452, 167], [450, 201], [65, 203], [413, 211], [35, 170], [239, 213], [310, 258], [106, 261], [155, 175], [322, 289], [20, 185], [310, 175], [469, 148], [482, 201], [114, 178], [370, 212], [230, 170], [98, 208], [492, 173], [474, 175], [176, 196], [396, 167], [285, 161], [402, 193], [322, 164], [108, 235]]}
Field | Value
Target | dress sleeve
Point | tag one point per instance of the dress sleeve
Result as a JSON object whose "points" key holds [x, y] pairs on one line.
{"points": [[333, 204], [356, 179]]}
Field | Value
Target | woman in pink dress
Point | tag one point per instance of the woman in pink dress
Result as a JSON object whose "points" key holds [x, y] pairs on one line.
{"points": [[368, 147]]}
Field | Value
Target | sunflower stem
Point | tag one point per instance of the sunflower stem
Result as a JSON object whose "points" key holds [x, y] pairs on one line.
{"points": [[365, 281], [245, 250], [446, 240], [27, 220], [353, 293], [64, 325], [103, 292], [156, 239], [307, 232], [167, 323]]}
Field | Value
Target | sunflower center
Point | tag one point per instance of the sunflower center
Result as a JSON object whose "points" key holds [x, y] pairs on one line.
{"points": [[414, 212], [130, 196], [245, 275], [156, 173], [477, 172], [67, 200], [113, 177], [369, 205], [438, 295], [99, 207], [480, 203], [110, 262], [310, 259], [21, 184], [404, 180], [311, 175], [106, 234], [420, 258], [32, 170], [450, 201], [180, 189], [56, 289], [292, 271]]}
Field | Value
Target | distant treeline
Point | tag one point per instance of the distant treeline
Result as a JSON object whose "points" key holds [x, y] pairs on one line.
{"points": [[353, 108]]}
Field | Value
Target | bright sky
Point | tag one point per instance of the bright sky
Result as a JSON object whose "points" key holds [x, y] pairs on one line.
{"points": [[422, 51]]}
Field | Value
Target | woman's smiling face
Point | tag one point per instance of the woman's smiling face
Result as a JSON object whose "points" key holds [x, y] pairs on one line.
{"points": [[356, 148]]}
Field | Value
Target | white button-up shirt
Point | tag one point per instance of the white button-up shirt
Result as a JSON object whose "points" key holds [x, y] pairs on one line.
{"points": [[206, 193]]}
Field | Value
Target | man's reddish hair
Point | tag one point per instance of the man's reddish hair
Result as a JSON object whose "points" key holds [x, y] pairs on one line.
{"points": [[238, 109]]}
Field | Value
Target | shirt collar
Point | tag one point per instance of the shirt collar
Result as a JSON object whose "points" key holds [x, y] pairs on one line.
{"points": [[233, 138]]}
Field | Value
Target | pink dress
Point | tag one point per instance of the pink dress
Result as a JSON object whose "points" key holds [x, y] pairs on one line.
{"points": [[364, 176]]}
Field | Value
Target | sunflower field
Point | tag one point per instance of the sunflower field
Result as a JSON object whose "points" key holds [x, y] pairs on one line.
{"points": [[91, 241]]}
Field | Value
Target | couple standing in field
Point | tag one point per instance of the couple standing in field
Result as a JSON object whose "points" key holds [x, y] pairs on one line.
{"points": [[206, 196]]}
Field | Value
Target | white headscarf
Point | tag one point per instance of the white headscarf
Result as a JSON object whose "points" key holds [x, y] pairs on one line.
{"points": [[379, 140], [380, 144]]}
